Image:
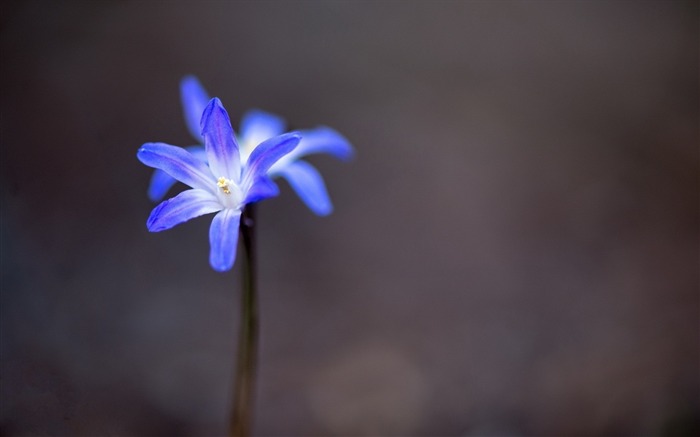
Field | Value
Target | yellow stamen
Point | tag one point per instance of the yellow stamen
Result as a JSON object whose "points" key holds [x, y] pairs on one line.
{"points": [[223, 184]]}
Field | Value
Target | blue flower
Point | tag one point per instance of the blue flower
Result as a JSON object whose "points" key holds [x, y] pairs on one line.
{"points": [[221, 183], [256, 127]]}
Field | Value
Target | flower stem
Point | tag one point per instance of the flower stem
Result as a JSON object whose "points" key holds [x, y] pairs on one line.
{"points": [[242, 414]]}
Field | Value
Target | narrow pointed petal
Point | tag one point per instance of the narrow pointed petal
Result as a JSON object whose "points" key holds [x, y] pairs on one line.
{"points": [[194, 99], [308, 184], [262, 188], [198, 152], [223, 239], [161, 182], [269, 152], [323, 140], [178, 163], [220, 142], [258, 126], [181, 208]]}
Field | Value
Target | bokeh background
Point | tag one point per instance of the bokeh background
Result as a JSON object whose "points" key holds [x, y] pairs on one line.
{"points": [[514, 250]]}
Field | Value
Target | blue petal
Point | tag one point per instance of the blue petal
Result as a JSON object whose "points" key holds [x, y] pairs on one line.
{"points": [[308, 184], [268, 152], [161, 182], [194, 99], [258, 126], [262, 188], [186, 205], [198, 152], [178, 163], [323, 140], [223, 238], [220, 142]]}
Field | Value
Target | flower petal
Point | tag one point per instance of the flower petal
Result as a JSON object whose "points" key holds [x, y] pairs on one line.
{"points": [[161, 182], [198, 152], [223, 238], [268, 152], [258, 126], [323, 140], [308, 184], [178, 163], [186, 205], [262, 188], [194, 99], [220, 142]]}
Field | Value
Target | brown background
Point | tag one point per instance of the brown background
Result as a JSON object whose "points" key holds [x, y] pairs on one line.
{"points": [[514, 251]]}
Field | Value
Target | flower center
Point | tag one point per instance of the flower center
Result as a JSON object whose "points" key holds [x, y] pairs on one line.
{"points": [[229, 193], [223, 183]]}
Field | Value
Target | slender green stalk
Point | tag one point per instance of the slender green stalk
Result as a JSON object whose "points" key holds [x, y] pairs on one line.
{"points": [[244, 390]]}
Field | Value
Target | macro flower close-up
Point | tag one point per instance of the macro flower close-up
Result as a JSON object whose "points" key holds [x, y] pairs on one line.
{"points": [[256, 127], [385, 218], [225, 185]]}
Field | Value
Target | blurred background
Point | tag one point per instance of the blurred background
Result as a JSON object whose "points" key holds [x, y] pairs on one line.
{"points": [[514, 250]]}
